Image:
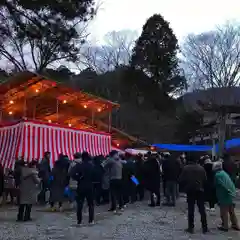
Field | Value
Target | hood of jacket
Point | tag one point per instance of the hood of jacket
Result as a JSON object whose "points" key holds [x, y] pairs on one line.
{"points": [[78, 160], [27, 172]]}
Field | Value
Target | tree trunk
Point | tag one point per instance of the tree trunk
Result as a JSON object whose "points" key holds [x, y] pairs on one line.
{"points": [[222, 133]]}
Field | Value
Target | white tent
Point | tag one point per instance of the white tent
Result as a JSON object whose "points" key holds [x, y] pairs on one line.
{"points": [[136, 151]]}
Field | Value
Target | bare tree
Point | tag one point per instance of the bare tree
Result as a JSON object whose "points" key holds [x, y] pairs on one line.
{"points": [[212, 59], [116, 51]]}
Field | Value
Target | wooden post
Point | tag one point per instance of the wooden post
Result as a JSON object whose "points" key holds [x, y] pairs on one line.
{"points": [[1, 110], [222, 133], [110, 121], [1, 114], [93, 117], [57, 110], [25, 105], [34, 110]]}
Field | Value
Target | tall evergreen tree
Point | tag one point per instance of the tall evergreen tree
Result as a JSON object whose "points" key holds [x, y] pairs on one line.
{"points": [[155, 54]]}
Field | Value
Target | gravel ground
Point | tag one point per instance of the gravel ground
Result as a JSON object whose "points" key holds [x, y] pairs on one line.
{"points": [[137, 222]]}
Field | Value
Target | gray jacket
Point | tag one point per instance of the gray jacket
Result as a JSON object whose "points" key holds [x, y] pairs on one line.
{"points": [[115, 169], [29, 185], [73, 183]]}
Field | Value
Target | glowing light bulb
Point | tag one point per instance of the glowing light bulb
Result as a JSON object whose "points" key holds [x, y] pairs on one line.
{"points": [[99, 109], [49, 121], [118, 144], [69, 124], [85, 106], [36, 90], [64, 101], [11, 102], [10, 113]]}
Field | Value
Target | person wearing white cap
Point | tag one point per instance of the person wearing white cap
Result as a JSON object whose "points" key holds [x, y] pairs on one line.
{"points": [[226, 192]]}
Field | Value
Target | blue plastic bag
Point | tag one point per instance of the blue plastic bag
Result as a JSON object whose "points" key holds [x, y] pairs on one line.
{"points": [[135, 180], [67, 192]]}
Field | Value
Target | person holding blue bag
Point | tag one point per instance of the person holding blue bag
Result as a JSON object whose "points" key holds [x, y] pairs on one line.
{"points": [[59, 182], [135, 180]]}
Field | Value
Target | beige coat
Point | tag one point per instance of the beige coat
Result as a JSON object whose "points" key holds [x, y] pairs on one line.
{"points": [[29, 185]]}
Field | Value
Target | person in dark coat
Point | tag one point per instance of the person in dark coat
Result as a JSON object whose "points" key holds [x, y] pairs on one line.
{"points": [[171, 171], [193, 179], [58, 184], [99, 172], [44, 170], [139, 165], [128, 185], [210, 190], [17, 177], [152, 176], [84, 174]]}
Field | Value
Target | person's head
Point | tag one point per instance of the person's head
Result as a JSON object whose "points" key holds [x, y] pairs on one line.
{"points": [[139, 157], [47, 155], [217, 166], [114, 155], [191, 159], [226, 157], [86, 157], [77, 155], [32, 164], [207, 161]]}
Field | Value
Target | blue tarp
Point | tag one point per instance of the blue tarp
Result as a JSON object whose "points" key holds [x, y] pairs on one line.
{"points": [[197, 148], [184, 148]]}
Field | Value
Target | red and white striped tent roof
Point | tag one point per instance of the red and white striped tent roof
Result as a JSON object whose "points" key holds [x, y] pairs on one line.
{"points": [[31, 139]]}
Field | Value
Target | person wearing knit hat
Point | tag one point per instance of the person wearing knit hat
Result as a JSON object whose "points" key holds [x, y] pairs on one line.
{"points": [[226, 192]]}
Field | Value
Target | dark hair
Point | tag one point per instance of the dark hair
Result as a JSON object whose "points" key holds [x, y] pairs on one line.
{"points": [[32, 163], [191, 158], [112, 153], [86, 156], [77, 155]]}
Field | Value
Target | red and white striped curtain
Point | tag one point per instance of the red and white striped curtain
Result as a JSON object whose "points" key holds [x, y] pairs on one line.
{"points": [[9, 141], [31, 139]]}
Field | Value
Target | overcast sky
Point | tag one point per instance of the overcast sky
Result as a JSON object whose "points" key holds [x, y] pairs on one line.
{"points": [[185, 16]]}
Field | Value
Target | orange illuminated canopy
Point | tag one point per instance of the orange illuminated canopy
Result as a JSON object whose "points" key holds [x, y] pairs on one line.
{"points": [[31, 96], [34, 96]]}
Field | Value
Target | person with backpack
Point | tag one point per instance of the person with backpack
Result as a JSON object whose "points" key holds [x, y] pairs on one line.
{"points": [[84, 174]]}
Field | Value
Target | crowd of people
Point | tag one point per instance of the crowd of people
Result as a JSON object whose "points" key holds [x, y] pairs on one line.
{"points": [[122, 179]]}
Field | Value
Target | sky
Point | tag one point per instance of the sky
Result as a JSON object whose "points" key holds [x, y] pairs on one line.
{"points": [[185, 16]]}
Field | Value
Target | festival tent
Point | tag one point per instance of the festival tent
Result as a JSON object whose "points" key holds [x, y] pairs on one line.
{"points": [[31, 139], [28, 95], [136, 151]]}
